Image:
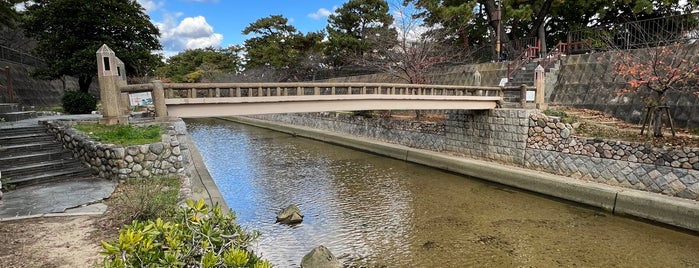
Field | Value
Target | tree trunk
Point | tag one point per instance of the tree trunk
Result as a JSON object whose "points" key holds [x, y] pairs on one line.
{"points": [[542, 39], [84, 82], [658, 123]]}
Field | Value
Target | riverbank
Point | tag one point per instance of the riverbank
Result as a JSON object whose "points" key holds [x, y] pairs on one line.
{"points": [[669, 210]]}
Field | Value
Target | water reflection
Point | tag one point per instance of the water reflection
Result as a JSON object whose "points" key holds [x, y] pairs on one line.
{"points": [[350, 205], [373, 211]]}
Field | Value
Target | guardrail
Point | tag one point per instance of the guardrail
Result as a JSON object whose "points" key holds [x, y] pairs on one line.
{"points": [[20, 57]]}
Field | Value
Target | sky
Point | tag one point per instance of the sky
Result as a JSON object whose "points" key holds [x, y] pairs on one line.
{"points": [[191, 24]]}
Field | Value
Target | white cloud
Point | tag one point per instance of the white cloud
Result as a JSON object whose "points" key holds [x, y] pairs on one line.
{"points": [[189, 33], [321, 13], [150, 5]]}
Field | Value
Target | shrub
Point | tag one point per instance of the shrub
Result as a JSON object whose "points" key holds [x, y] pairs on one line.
{"points": [[147, 199], [77, 102], [199, 236]]}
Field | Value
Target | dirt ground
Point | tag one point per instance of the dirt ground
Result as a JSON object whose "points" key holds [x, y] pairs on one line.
{"points": [[49, 242], [75, 241]]}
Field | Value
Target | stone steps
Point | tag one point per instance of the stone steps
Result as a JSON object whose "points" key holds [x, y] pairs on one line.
{"points": [[29, 155], [11, 112]]}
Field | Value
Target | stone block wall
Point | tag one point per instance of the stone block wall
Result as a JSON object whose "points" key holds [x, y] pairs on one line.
{"points": [[670, 171], [34, 92], [529, 139], [422, 135], [494, 134], [118, 162], [588, 81]]}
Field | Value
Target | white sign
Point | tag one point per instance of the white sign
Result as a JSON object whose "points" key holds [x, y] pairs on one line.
{"points": [[141, 99], [503, 81]]}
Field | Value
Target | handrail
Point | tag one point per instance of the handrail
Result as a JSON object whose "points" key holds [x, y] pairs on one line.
{"points": [[305, 88]]}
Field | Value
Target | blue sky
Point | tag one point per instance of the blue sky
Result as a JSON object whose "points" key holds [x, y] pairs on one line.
{"points": [[190, 24]]}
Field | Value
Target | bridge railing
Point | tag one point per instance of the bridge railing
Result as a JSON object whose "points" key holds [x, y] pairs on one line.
{"points": [[261, 90], [315, 89]]}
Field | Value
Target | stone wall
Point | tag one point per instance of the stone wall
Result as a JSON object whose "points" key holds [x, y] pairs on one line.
{"points": [[422, 135], [35, 92], [118, 162], [530, 139], [670, 171], [494, 134], [588, 81]]}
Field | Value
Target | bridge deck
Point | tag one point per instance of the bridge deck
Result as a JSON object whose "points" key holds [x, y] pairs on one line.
{"points": [[229, 106]]}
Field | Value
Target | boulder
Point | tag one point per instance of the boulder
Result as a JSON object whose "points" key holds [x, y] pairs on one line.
{"points": [[290, 215], [320, 257]]}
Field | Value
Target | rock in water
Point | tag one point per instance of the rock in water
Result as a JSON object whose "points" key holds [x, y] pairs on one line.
{"points": [[290, 215], [320, 257]]}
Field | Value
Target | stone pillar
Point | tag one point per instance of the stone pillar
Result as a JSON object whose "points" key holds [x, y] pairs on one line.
{"points": [[108, 78], [477, 82], [540, 84], [523, 96], [159, 101]]}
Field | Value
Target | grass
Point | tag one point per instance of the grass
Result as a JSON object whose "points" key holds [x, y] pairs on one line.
{"points": [[564, 117], [120, 134]]}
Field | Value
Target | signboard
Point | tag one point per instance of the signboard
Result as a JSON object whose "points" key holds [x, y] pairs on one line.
{"points": [[503, 82], [141, 99]]}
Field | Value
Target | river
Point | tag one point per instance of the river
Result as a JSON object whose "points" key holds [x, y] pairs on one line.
{"points": [[373, 211]]}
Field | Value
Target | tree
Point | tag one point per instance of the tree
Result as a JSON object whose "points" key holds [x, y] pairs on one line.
{"points": [[415, 52], [359, 32], [278, 46], [668, 61], [8, 14], [208, 64], [68, 43], [469, 23]]}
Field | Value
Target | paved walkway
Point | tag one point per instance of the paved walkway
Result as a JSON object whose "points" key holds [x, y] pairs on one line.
{"points": [[71, 197], [84, 196]]}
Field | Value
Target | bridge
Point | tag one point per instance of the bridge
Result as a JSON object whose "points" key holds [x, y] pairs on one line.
{"points": [[189, 100]]}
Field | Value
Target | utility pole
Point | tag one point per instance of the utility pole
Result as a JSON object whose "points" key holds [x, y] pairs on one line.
{"points": [[498, 17]]}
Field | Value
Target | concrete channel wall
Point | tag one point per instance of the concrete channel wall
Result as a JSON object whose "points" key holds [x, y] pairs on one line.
{"points": [[524, 142]]}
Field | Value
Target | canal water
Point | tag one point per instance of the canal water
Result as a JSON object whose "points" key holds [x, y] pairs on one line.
{"points": [[372, 211]]}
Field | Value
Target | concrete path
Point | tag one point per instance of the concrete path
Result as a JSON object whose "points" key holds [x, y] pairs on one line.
{"points": [[72, 197], [66, 197]]}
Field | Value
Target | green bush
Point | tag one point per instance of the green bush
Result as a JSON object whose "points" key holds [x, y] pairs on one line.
{"points": [[199, 236], [77, 102]]}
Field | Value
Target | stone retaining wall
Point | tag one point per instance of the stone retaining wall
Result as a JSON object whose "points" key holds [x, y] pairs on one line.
{"points": [[529, 139], [118, 162], [671, 171], [494, 134], [422, 135]]}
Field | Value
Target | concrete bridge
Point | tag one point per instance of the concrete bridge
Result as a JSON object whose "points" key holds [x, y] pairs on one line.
{"points": [[229, 99]]}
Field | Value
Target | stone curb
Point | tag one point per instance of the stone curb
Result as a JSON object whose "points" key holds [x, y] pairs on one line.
{"points": [[674, 211]]}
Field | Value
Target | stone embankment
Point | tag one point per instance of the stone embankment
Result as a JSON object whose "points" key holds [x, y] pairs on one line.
{"points": [[670, 171], [530, 139], [110, 161]]}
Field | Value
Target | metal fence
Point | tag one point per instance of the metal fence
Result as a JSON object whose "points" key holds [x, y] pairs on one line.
{"points": [[638, 34], [20, 57]]}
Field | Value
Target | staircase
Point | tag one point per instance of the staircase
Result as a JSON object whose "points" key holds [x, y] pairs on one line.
{"points": [[29, 155], [14, 112]]}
